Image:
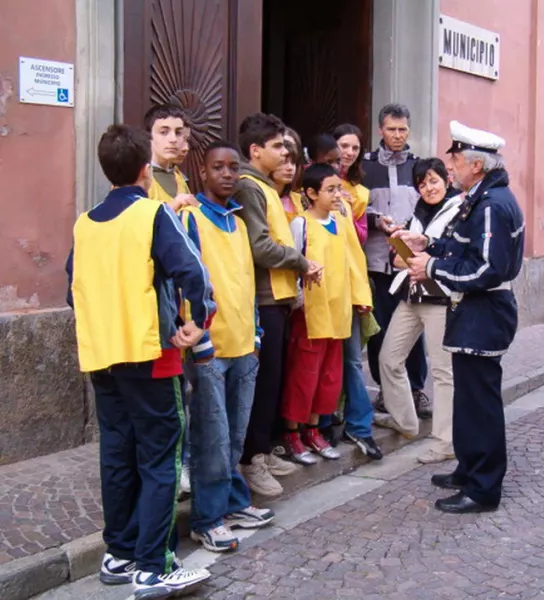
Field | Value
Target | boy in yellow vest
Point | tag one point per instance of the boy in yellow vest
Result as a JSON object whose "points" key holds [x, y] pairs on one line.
{"points": [[358, 411], [277, 266], [322, 317], [166, 125], [184, 148], [185, 482], [223, 387], [130, 257]]}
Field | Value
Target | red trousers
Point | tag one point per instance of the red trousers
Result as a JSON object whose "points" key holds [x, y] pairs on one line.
{"points": [[313, 374]]}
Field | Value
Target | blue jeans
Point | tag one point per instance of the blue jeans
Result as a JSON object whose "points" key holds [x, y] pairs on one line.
{"points": [[221, 402], [358, 412]]}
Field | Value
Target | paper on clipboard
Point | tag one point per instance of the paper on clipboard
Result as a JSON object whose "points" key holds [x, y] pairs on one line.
{"points": [[430, 286]]}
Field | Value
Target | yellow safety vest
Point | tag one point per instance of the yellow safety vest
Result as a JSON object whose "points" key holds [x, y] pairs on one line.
{"points": [[296, 199], [360, 197], [227, 256], [361, 293], [115, 303], [282, 281], [157, 192], [328, 307]]}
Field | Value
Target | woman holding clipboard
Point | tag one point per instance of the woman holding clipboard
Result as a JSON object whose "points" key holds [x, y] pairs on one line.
{"points": [[422, 310]]}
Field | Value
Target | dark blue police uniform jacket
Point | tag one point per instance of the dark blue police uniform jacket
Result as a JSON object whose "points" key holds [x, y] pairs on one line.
{"points": [[481, 250]]}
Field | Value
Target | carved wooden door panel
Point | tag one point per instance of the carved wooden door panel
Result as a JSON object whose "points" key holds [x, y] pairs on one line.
{"points": [[319, 72], [311, 99], [177, 51]]}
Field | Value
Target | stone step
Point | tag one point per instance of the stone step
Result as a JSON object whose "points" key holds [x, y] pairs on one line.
{"points": [[305, 477]]}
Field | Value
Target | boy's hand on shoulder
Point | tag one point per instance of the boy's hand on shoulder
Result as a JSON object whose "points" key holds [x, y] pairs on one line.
{"points": [[182, 200], [187, 336]]}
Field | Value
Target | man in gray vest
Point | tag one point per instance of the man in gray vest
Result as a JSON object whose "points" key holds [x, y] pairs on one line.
{"points": [[388, 176]]}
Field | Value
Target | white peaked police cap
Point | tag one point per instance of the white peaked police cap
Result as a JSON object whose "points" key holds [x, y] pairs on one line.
{"points": [[466, 138]]}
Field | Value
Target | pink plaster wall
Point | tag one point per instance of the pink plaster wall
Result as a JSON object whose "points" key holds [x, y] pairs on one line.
{"points": [[37, 168], [505, 107]]}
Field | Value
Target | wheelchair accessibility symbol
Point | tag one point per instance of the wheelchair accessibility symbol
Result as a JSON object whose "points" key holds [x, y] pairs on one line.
{"points": [[62, 95]]}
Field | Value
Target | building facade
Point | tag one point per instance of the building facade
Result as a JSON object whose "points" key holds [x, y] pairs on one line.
{"points": [[221, 59]]}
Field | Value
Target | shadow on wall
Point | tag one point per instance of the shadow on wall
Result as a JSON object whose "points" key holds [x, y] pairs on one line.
{"points": [[6, 91], [529, 289]]}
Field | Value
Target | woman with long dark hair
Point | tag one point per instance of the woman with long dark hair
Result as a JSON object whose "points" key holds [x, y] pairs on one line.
{"points": [[350, 143]]}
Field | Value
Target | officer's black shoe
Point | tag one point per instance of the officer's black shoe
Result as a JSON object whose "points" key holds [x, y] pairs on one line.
{"points": [[446, 482], [461, 504]]}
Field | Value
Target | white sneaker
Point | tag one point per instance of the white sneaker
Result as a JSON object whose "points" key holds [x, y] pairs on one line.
{"points": [[217, 539], [150, 586], [279, 467], [386, 420], [259, 479], [250, 518], [434, 455], [185, 480], [116, 571]]}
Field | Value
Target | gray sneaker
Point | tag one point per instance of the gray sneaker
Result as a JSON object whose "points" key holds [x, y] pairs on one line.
{"points": [[278, 467], [259, 479]]}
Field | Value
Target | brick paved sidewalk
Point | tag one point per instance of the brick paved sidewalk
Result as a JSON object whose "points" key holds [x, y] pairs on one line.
{"points": [[48, 501], [391, 544]]}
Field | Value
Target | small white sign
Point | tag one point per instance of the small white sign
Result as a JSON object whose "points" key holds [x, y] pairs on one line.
{"points": [[465, 47], [46, 82]]}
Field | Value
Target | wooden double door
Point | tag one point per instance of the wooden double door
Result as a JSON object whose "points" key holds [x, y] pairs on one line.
{"points": [[223, 59]]}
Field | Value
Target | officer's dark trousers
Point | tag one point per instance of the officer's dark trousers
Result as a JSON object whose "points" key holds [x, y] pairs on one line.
{"points": [[141, 425], [478, 426], [384, 307]]}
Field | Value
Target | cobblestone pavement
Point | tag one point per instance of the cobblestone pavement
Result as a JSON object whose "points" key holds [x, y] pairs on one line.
{"points": [[48, 501], [392, 544]]}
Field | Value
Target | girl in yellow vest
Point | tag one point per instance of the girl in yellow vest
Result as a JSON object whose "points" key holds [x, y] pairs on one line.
{"points": [[349, 139], [321, 319], [283, 178]]}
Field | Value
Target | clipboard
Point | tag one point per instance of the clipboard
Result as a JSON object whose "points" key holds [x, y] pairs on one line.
{"points": [[431, 287]]}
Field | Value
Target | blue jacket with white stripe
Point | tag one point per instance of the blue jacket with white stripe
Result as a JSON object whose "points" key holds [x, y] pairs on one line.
{"points": [[177, 265], [481, 250]]}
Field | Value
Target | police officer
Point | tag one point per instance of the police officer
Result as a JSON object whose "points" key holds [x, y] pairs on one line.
{"points": [[478, 257]]}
